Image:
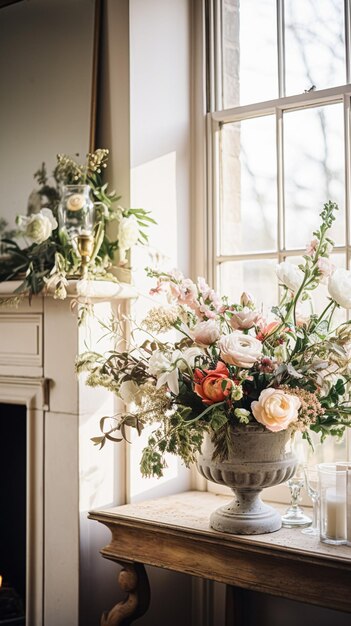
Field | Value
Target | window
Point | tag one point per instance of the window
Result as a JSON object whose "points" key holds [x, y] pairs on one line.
{"points": [[279, 137]]}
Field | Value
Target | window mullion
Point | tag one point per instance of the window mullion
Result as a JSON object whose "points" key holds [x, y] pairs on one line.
{"points": [[347, 174], [281, 48], [218, 55], [210, 58], [213, 194], [280, 184]]}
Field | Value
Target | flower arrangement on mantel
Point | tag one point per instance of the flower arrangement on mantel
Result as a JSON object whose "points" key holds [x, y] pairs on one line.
{"points": [[41, 254], [231, 367]]}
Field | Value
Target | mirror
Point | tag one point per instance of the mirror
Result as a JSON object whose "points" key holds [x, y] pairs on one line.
{"points": [[48, 61]]}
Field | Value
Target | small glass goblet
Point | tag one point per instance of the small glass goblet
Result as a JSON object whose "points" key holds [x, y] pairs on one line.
{"points": [[295, 516], [312, 486]]}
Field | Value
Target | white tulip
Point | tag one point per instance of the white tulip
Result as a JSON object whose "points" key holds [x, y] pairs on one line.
{"points": [[289, 275], [339, 287]]}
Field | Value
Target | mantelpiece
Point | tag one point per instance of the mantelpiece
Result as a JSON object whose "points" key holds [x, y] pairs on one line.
{"points": [[38, 346]]}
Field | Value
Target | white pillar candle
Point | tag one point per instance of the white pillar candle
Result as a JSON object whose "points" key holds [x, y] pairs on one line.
{"points": [[336, 515]]}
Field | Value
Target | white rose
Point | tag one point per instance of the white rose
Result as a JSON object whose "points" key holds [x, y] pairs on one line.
{"points": [[128, 235], [240, 349], [129, 391], [289, 275], [205, 333], [188, 357], [39, 226], [275, 409], [339, 287]]}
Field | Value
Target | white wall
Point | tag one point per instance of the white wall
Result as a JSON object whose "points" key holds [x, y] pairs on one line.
{"points": [[160, 62], [160, 132], [144, 118]]}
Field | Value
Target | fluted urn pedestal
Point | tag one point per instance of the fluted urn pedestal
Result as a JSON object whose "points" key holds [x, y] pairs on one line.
{"points": [[257, 458]]}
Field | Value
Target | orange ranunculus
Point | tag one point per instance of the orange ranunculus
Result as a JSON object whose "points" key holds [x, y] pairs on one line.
{"points": [[209, 384]]}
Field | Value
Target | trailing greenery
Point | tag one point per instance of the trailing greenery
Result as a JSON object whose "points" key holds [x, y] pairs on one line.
{"points": [[39, 260]]}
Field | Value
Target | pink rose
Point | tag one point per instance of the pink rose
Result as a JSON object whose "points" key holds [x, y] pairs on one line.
{"points": [[245, 319], [205, 333], [275, 409], [240, 349]]}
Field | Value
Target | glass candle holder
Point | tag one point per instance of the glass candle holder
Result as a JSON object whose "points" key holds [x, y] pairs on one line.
{"points": [[76, 211], [295, 517], [332, 485]]}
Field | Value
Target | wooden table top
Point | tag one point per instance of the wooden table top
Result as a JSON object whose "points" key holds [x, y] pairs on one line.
{"points": [[173, 532]]}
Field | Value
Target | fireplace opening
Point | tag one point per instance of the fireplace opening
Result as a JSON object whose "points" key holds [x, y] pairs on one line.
{"points": [[13, 522]]}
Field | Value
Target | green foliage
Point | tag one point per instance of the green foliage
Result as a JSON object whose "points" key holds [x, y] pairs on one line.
{"points": [[36, 264], [175, 435]]}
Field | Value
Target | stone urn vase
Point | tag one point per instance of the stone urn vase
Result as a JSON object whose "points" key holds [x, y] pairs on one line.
{"points": [[257, 458]]}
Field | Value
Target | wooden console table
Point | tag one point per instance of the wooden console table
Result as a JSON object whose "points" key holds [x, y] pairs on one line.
{"points": [[173, 533]]}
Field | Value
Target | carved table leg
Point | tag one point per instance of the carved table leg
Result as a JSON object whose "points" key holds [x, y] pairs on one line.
{"points": [[134, 581]]}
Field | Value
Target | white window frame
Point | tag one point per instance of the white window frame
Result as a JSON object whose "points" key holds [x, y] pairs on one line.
{"points": [[217, 117]]}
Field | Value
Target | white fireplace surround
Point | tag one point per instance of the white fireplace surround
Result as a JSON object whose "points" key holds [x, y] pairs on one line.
{"points": [[33, 394], [38, 346]]}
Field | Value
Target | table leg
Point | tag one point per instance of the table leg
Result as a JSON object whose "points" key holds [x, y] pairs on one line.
{"points": [[132, 580]]}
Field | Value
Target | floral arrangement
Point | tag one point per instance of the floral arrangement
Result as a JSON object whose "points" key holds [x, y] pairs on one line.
{"points": [[48, 255], [231, 367]]}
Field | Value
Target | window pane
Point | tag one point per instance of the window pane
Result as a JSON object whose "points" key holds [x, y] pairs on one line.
{"points": [[249, 51], [314, 44], [314, 171], [248, 219], [256, 277]]}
